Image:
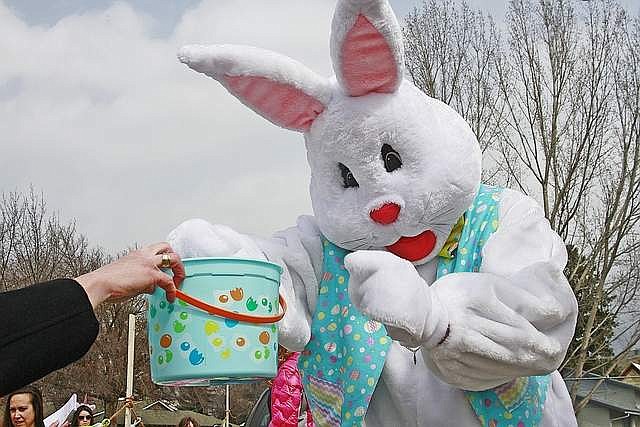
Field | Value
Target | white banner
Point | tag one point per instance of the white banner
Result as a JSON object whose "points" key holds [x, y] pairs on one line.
{"points": [[61, 414]]}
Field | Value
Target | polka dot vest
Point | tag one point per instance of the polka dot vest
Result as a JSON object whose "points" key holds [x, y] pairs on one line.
{"points": [[341, 364]]}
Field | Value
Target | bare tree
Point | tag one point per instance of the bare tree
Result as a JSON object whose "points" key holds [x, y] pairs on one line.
{"points": [[450, 55], [36, 246], [570, 82], [560, 117], [11, 213]]}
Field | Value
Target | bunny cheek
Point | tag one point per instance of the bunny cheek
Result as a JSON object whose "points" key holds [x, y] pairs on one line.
{"points": [[414, 248]]}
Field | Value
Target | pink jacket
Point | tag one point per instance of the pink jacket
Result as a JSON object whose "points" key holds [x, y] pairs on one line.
{"points": [[286, 395]]}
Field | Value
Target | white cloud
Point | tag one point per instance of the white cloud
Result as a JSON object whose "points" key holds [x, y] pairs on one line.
{"points": [[99, 115]]}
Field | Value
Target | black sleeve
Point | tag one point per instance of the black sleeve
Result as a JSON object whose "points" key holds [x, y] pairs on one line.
{"points": [[43, 327]]}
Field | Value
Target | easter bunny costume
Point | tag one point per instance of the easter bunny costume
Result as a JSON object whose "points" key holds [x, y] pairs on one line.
{"points": [[417, 295]]}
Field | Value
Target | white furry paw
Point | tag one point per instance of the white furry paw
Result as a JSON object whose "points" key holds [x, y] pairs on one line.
{"points": [[198, 238], [388, 289]]}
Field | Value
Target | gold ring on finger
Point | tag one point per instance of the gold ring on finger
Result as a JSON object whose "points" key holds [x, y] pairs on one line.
{"points": [[166, 261]]}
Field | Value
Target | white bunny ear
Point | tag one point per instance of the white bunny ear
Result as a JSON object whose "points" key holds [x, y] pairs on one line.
{"points": [[366, 47], [278, 88]]}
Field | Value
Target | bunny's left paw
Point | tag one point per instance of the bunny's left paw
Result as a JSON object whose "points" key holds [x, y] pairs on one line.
{"points": [[388, 289]]}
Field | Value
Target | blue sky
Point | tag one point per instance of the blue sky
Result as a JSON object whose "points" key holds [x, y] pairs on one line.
{"points": [[99, 115], [166, 13]]}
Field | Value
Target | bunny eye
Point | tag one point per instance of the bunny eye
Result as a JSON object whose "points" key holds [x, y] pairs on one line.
{"points": [[391, 158], [348, 180]]}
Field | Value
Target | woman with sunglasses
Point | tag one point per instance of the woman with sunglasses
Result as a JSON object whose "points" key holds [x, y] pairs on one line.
{"points": [[82, 417]]}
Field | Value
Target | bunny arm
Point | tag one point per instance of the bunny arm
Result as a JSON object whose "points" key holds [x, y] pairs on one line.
{"points": [[516, 316], [299, 251]]}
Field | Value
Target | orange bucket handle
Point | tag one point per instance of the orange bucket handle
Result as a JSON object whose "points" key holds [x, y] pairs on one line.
{"points": [[212, 309]]}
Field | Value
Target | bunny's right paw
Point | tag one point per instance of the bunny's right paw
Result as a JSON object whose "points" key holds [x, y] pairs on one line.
{"points": [[198, 238]]}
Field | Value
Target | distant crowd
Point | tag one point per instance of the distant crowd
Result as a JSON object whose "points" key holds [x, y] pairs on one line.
{"points": [[25, 408]]}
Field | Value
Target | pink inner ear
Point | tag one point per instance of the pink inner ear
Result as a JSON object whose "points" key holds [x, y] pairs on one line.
{"points": [[281, 103], [368, 64]]}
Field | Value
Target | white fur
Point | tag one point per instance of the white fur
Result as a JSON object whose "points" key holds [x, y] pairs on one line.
{"points": [[513, 318], [430, 187]]}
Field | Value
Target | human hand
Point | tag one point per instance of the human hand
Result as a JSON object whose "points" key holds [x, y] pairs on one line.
{"points": [[388, 289], [137, 272]]}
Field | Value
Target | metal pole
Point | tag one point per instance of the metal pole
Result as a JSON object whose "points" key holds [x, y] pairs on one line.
{"points": [[226, 417], [130, 356]]}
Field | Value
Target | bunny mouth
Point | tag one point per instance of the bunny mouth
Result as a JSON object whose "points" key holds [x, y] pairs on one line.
{"points": [[414, 248]]}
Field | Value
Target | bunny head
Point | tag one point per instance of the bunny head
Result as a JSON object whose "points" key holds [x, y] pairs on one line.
{"points": [[390, 167]]}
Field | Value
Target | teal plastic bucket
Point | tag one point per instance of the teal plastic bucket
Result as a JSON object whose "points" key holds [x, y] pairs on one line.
{"points": [[189, 345]]}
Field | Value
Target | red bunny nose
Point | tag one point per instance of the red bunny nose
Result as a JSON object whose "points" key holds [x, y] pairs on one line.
{"points": [[385, 214]]}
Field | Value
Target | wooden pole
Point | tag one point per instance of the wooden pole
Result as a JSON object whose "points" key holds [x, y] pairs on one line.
{"points": [[226, 417], [130, 356]]}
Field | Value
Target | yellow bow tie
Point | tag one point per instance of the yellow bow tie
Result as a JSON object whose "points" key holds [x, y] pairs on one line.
{"points": [[450, 246]]}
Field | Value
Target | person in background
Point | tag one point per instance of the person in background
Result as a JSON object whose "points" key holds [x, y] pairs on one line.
{"points": [[24, 408], [188, 422], [83, 416], [49, 325]]}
